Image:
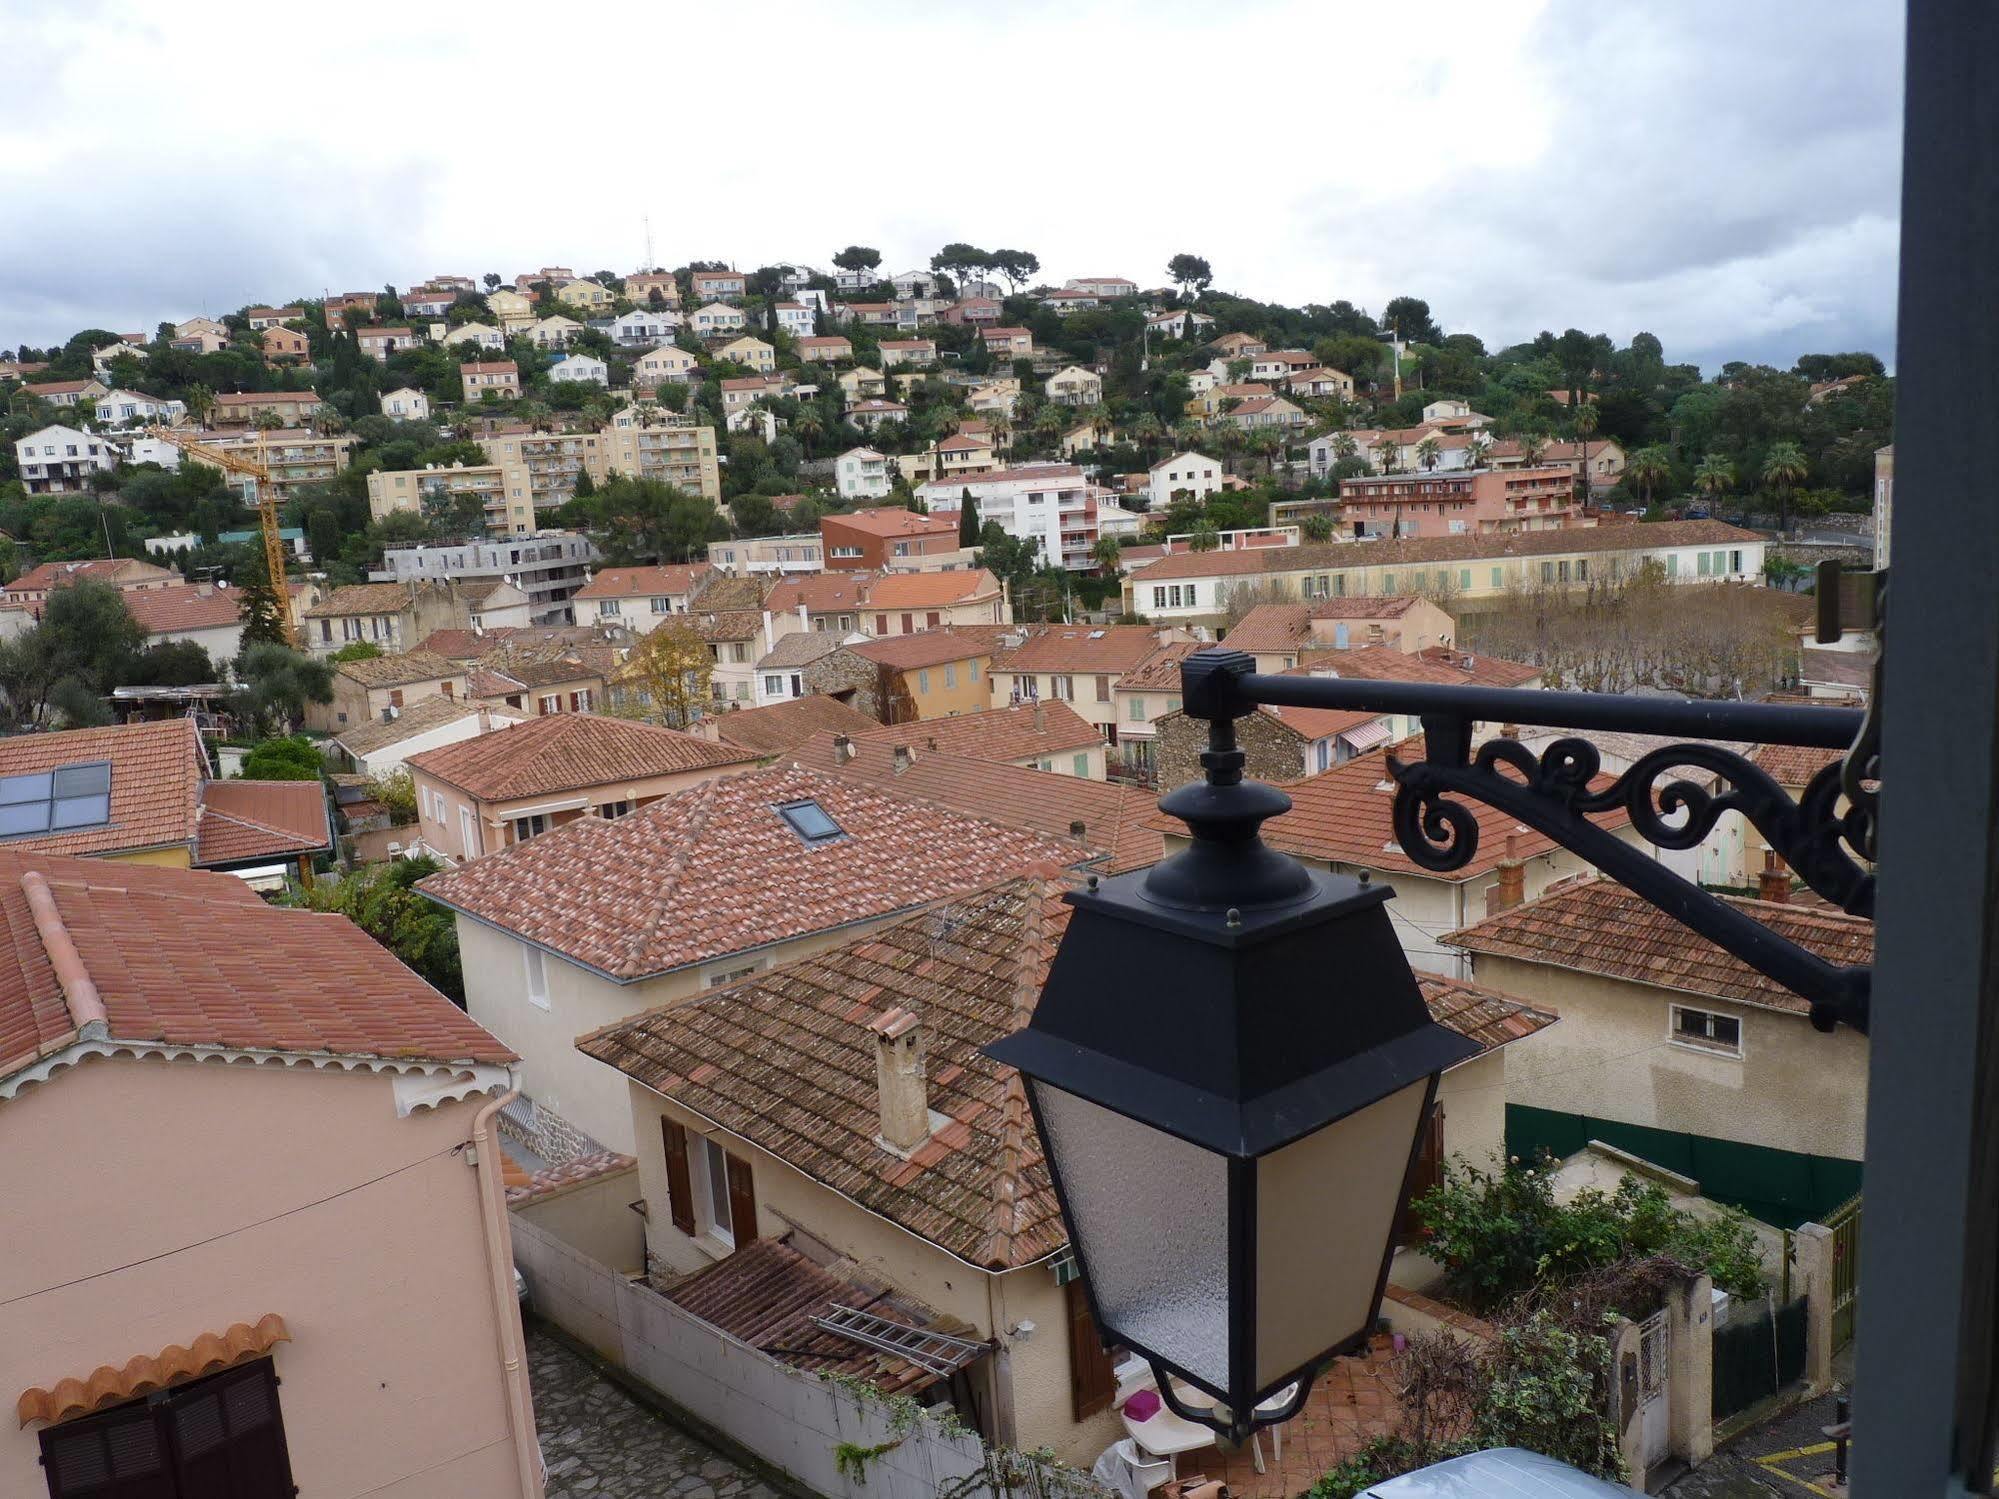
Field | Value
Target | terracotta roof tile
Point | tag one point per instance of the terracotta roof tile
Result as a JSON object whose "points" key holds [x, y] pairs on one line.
{"points": [[931, 590], [186, 606], [419, 717], [1115, 649], [892, 520], [716, 869], [144, 1373], [818, 592], [1794, 765], [401, 670], [778, 727], [996, 733], [156, 774], [1598, 926], [1159, 671], [190, 958], [800, 648], [261, 820], [1480, 1014], [930, 647], [721, 591], [362, 598], [1117, 820], [466, 645], [565, 751]]}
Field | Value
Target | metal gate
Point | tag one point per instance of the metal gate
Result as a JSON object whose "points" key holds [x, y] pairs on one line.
{"points": [[1654, 1358], [1844, 1221]]}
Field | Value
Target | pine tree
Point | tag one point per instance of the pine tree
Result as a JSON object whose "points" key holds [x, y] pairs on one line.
{"points": [[968, 521], [262, 608]]}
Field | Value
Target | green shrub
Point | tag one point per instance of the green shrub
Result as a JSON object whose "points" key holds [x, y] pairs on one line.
{"points": [[290, 759]]}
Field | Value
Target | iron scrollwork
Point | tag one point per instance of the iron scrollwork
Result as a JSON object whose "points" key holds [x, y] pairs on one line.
{"points": [[1553, 793]]}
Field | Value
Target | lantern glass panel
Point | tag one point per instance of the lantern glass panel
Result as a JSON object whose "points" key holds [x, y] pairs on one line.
{"points": [[1325, 1208], [1150, 1214]]}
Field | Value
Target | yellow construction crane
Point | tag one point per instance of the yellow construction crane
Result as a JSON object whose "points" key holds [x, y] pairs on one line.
{"points": [[259, 473]]}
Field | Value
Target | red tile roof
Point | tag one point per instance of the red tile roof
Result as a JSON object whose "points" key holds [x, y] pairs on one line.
{"points": [[1384, 663], [1794, 765], [47, 575], [195, 959], [566, 751], [778, 727], [1159, 671], [1598, 926], [716, 870], [156, 774], [1116, 820], [930, 647], [785, 1060], [893, 521], [644, 582], [1115, 649], [142, 1374], [260, 820], [931, 590], [466, 645], [818, 592], [1004, 734], [184, 606]]}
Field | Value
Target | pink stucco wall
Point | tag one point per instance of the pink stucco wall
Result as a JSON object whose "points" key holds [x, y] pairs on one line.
{"points": [[149, 1201]]}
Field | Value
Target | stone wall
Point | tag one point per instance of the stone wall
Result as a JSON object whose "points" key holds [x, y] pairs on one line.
{"points": [[854, 679], [1271, 751]]}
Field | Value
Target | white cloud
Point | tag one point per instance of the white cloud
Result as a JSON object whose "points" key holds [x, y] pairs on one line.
{"points": [[1724, 175]]}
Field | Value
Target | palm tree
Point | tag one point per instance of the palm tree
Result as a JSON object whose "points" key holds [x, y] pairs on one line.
{"points": [[1429, 453], [1386, 452], [1715, 476], [1147, 431], [1186, 435], [1266, 443], [1106, 552], [267, 421], [1648, 469], [199, 400], [1585, 420], [1532, 446], [1344, 446], [535, 415], [1477, 450], [1231, 439], [1783, 466]]}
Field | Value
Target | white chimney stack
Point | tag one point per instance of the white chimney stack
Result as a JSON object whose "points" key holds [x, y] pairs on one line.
{"points": [[900, 1080]]}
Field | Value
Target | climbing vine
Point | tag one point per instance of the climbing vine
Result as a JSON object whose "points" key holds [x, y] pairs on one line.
{"points": [[1003, 1473]]}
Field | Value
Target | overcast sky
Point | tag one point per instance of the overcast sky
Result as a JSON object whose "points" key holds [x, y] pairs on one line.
{"points": [[1724, 175]]}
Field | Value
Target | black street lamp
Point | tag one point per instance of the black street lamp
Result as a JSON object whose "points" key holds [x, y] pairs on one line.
{"points": [[1232, 1069]]}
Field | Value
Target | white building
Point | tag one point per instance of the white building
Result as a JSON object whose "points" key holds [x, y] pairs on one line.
{"points": [[1187, 473], [1102, 286], [62, 460], [861, 474], [127, 408], [100, 359], [1050, 504], [585, 369], [481, 334], [644, 327], [406, 405], [795, 318], [156, 450], [554, 332], [549, 567]]}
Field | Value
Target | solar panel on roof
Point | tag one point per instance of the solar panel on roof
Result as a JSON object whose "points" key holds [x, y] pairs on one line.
{"points": [[43, 801]]}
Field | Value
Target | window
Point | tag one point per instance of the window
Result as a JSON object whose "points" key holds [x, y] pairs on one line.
{"points": [[74, 796], [810, 821], [725, 976], [1103, 689], [975, 670], [1159, 598], [1135, 709], [549, 704], [1079, 765], [608, 608], [950, 674], [1703, 563], [773, 686], [222, 1436], [1172, 705], [612, 811], [1064, 689], [531, 826], [537, 973], [1324, 754], [662, 604], [1706, 1031]]}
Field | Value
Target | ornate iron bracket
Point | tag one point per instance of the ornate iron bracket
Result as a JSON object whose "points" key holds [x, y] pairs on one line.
{"points": [[1826, 836]]}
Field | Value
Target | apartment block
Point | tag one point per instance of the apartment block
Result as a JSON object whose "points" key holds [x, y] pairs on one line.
{"points": [[503, 491]]}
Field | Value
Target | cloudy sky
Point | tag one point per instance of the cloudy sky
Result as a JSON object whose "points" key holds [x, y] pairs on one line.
{"points": [[1723, 174]]}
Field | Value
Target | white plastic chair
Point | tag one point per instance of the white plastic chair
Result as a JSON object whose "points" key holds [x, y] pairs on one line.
{"points": [[1129, 1471]]}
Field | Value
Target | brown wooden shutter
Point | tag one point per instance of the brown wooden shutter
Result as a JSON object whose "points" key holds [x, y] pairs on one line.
{"points": [[679, 1186], [742, 1202], [1428, 1174], [1092, 1379]]}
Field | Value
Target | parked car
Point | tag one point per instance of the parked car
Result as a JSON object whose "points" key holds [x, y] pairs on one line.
{"points": [[1698, 512]]}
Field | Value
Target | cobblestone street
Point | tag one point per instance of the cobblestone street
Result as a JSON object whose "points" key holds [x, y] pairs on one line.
{"points": [[601, 1443]]}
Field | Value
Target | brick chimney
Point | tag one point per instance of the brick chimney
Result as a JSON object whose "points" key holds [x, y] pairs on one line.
{"points": [[1511, 887], [903, 758], [843, 749], [1773, 881], [1040, 716], [1077, 828], [899, 1079]]}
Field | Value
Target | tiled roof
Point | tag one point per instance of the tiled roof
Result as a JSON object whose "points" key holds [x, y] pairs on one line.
{"points": [[418, 718], [362, 598], [47, 575], [260, 820], [401, 670], [1344, 815], [996, 733], [729, 624], [1479, 668], [818, 592], [892, 521], [1160, 671], [1598, 926], [113, 1384], [1079, 648], [1480, 1014], [195, 959], [1270, 628], [1334, 555], [183, 606], [723, 591], [466, 645], [767, 1294], [1794, 765], [1384, 663], [1840, 668], [800, 648], [1117, 820], [786, 1061], [929, 647], [1319, 723], [930, 590], [547, 663], [267, 397], [776, 728], [564, 751], [156, 774], [715, 870]]}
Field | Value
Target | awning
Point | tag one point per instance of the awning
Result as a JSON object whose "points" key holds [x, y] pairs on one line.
{"points": [[1367, 736], [144, 1373]]}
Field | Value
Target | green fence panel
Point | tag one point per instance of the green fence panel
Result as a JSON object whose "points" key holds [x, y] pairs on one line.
{"points": [[1748, 1364]]}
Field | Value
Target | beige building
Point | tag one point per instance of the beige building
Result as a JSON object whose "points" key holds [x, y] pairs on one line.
{"points": [[650, 442], [1280, 636], [668, 362], [295, 408], [394, 616], [1679, 1053], [552, 460], [641, 286], [296, 457], [514, 310], [639, 598], [379, 688], [751, 353], [1074, 664], [588, 297], [1074, 386], [603, 918], [490, 379], [503, 493], [498, 789], [267, 1262]]}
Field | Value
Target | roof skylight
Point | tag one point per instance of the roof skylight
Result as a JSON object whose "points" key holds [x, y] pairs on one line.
{"points": [[811, 821], [56, 801]]}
